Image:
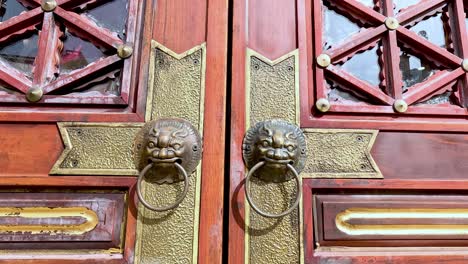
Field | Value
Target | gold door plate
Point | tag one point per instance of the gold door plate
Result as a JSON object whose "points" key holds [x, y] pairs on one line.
{"points": [[340, 153]]}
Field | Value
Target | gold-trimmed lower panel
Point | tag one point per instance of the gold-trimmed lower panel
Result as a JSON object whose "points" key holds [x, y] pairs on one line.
{"points": [[90, 220], [342, 222]]}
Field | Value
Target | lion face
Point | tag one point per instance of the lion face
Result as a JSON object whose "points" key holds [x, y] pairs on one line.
{"points": [[166, 145], [277, 143], [164, 142]]}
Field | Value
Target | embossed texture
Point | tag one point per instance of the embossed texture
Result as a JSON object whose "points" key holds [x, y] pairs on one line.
{"points": [[272, 94], [176, 84], [97, 149], [272, 90], [176, 90], [340, 153]]}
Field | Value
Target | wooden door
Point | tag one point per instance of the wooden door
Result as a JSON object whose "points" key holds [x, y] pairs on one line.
{"points": [[78, 82], [379, 90]]}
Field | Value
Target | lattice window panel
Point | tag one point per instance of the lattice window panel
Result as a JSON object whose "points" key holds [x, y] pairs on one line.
{"points": [[389, 56], [72, 54]]}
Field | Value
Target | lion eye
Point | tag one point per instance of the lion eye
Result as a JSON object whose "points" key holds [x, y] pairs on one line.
{"points": [[151, 145], [176, 146], [265, 143], [290, 148]]}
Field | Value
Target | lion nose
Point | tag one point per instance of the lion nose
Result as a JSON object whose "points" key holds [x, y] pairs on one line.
{"points": [[166, 154], [279, 154]]}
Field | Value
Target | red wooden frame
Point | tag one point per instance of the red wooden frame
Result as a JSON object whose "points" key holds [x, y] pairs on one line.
{"points": [[421, 118]]}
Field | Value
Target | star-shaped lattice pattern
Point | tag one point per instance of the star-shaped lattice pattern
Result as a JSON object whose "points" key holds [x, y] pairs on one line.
{"points": [[45, 78], [391, 31]]}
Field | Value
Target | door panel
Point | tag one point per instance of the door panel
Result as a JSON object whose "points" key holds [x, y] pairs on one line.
{"points": [[76, 152], [383, 134]]}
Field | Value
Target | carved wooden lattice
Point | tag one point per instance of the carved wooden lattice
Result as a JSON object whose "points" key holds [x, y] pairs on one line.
{"points": [[75, 47], [439, 86]]}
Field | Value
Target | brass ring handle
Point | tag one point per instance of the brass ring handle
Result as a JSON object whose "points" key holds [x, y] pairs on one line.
{"points": [[172, 206], [265, 214]]}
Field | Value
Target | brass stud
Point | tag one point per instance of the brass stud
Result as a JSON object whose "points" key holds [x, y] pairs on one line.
{"points": [[124, 51], [392, 23], [48, 5], [400, 106], [464, 65], [34, 94], [323, 60], [323, 105]]}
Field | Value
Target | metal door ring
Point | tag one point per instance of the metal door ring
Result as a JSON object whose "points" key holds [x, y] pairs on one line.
{"points": [[265, 214], [162, 209]]}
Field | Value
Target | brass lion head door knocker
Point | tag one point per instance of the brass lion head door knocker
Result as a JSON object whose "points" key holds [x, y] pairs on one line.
{"points": [[166, 151], [274, 151]]}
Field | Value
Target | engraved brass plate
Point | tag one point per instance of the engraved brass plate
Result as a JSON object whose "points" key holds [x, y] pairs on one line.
{"points": [[97, 149], [340, 153], [342, 221], [176, 89], [272, 92]]}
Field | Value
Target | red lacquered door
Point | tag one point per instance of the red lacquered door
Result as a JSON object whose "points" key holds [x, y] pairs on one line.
{"points": [[93, 92], [379, 90]]}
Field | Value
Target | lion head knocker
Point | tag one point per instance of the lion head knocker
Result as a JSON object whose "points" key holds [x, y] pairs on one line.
{"points": [[277, 143], [164, 142]]}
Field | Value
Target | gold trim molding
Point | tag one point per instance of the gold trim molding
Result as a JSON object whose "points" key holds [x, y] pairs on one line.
{"points": [[91, 220], [340, 153], [96, 149], [344, 217]]}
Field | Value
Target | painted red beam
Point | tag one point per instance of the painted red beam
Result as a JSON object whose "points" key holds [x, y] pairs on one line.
{"points": [[362, 41], [47, 60], [78, 75], [14, 78], [18, 23], [438, 81], [88, 29], [421, 46], [419, 11], [353, 83], [359, 11], [391, 56]]}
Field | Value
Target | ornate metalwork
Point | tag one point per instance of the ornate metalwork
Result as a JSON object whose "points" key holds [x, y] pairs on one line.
{"points": [[260, 211], [165, 142], [175, 80], [340, 153], [97, 149], [278, 143], [272, 91]]}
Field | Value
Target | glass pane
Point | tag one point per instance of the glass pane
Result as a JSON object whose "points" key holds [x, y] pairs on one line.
{"points": [[6, 90], [398, 5], [414, 70], [110, 14], [336, 28], [108, 84], [431, 29], [9, 9], [20, 53], [439, 99], [365, 66], [338, 94], [77, 53], [369, 3]]}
